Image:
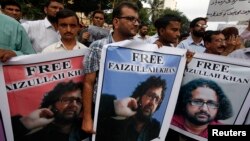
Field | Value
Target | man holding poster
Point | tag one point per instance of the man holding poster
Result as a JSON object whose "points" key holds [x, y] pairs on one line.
{"points": [[125, 23], [201, 103], [130, 119]]}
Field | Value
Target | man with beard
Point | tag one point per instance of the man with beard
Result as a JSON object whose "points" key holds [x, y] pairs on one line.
{"points": [[125, 24], [130, 119], [43, 33], [68, 27], [201, 103], [142, 34], [194, 42], [215, 42], [56, 119]]}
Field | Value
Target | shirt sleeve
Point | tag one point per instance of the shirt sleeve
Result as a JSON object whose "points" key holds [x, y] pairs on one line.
{"points": [[23, 45]]}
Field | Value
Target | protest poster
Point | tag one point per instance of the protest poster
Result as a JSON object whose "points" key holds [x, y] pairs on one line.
{"points": [[224, 84], [2, 130], [97, 33], [27, 79], [228, 10], [138, 74]]}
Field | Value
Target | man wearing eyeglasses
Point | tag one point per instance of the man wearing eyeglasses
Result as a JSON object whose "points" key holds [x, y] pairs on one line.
{"points": [[58, 117], [201, 103], [215, 42], [194, 43], [125, 25], [131, 118]]}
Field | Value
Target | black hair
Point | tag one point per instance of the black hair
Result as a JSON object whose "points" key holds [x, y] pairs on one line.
{"points": [[209, 33], [59, 90], [142, 24], [98, 11], [47, 3], [194, 21], [225, 108], [117, 11], [65, 13], [11, 2], [164, 21], [151, 82]]}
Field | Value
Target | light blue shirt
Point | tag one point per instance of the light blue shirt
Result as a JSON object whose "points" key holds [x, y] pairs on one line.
{"points": [[241, 53], [190, 45], [13, 36]]}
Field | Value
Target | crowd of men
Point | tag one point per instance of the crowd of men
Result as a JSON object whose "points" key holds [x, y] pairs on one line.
{"points": [[60, 30]]}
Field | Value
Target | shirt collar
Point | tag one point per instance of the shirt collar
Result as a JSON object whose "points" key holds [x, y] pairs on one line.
{"points": [[190, 41], [47, 23], [60, 45]]}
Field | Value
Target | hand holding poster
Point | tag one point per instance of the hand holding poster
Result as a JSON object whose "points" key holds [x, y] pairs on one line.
{"points": [[228, 10], [138, 84], [43, 93], [215, 91]]}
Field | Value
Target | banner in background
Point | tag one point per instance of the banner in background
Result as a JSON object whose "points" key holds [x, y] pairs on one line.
{"points": [[228, 10]]}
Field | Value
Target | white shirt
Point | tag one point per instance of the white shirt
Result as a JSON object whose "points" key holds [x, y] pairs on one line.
{"points": [[138, 37], [59, 46], [41, 34], [241, 53], [191, 46], [153, 38]]}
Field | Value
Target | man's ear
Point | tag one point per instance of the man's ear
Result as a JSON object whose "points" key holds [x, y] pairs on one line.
{"points": [[115, 23], [161, 31], [207, 45], [45, 9], [56, 26]]}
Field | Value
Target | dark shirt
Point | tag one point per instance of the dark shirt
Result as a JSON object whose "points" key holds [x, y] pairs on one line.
{"points": [[111, 129], [47, 133]]}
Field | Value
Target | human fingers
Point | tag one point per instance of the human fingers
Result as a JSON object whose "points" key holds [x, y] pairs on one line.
{"points": [[87, 126], [132, 104], [46, 113]]}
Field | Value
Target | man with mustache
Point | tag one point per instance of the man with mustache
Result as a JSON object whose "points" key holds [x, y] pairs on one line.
{"points": [[131, 118], [201, 103], [68, 26], [12, 9], [194, 42], [43, 33], [58, 117], [215, 42], [125, 20]]}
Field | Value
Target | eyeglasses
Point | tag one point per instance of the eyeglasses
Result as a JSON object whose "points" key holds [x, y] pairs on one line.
{"points": [[200, 103], [202, 25], [131, 19], [153, 98], [69, 100], [220, 40]]}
